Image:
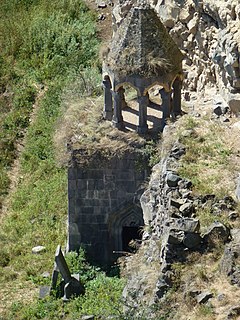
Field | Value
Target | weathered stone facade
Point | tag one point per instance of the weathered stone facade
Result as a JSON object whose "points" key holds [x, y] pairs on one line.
{"points": [[141, 54], [104, 204]]}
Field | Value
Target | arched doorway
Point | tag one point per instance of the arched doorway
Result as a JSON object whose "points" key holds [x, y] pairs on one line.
{"points": [[125, 225], [130, 235]]}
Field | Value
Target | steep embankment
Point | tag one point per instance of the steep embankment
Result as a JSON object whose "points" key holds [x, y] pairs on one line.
{"points": [[185, 268]]}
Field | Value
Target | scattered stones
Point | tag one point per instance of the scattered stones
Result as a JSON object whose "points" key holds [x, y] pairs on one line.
{"points": [[161, 288], [229, 262], [219, 106], [236, 125], [45, 274], [221, 297], [193, 293], [101, 17], [44, 291], [175, 237], [234, 104], [234, 312], [38, 249], [184, 224], [177, 151], [233, 216], [177, 203]]}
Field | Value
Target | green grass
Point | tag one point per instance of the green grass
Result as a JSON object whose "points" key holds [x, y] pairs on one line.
{"points": [[207, 155], [44, 43], [102, 297], [50, 45]]}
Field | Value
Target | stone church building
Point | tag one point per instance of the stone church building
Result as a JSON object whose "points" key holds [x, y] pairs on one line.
{"points": [[104, 210]]}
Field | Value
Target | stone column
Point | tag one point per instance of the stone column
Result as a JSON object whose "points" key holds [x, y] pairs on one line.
{"points": [[108, 105], [177, 86], [143, 104], [123, 101], [117, 120], [166, 101]]}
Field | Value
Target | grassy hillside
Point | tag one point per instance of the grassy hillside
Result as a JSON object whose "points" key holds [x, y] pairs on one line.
{"points": [[41, 44], [44, 47]]}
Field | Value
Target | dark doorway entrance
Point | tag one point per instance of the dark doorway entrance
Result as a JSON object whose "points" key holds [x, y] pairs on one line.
{"points": [[128, 234]]}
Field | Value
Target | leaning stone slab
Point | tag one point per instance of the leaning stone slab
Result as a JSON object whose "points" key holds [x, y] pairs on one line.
{"points": [[72, 286]]}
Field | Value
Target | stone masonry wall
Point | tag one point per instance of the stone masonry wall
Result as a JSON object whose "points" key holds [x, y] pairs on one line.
{"points": [[102, 199]]}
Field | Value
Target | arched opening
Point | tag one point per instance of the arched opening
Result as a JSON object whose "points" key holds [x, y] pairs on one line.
{"points": [[130, 236], [125, 226]]}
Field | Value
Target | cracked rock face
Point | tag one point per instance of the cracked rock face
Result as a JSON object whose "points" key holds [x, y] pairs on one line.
{"points": [[208, 33], [173, 232]]}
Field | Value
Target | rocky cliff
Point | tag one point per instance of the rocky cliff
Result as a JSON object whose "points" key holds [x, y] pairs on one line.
{"points": [[208, 33], [186, 268]]}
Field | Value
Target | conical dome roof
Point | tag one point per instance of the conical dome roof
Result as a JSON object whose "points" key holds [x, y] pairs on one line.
{"points": [[143, 46]]}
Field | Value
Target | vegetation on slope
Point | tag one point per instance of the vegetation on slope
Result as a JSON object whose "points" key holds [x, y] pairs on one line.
{"points": [[40, 43], [44, 45]]}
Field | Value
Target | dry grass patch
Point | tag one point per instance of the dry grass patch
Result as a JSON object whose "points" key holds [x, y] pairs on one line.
{"points": [[212, 157], [82, 127], [202, 273]]}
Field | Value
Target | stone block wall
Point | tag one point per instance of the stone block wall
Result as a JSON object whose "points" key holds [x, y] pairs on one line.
{"points": [[103, 198]]}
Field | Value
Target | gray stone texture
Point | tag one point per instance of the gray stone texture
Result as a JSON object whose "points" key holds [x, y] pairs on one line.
{"points": [[102, 200]]}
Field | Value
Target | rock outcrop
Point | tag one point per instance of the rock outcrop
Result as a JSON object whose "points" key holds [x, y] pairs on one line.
{"points": [[172, 233], [208, 33]]}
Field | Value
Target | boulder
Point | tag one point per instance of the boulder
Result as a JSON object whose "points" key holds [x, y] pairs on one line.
{"points": [[175, 236], [234, 104], [217, 232], [186, 225], [204, 297], [186, 209], [229, 263], [172, 179]]}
